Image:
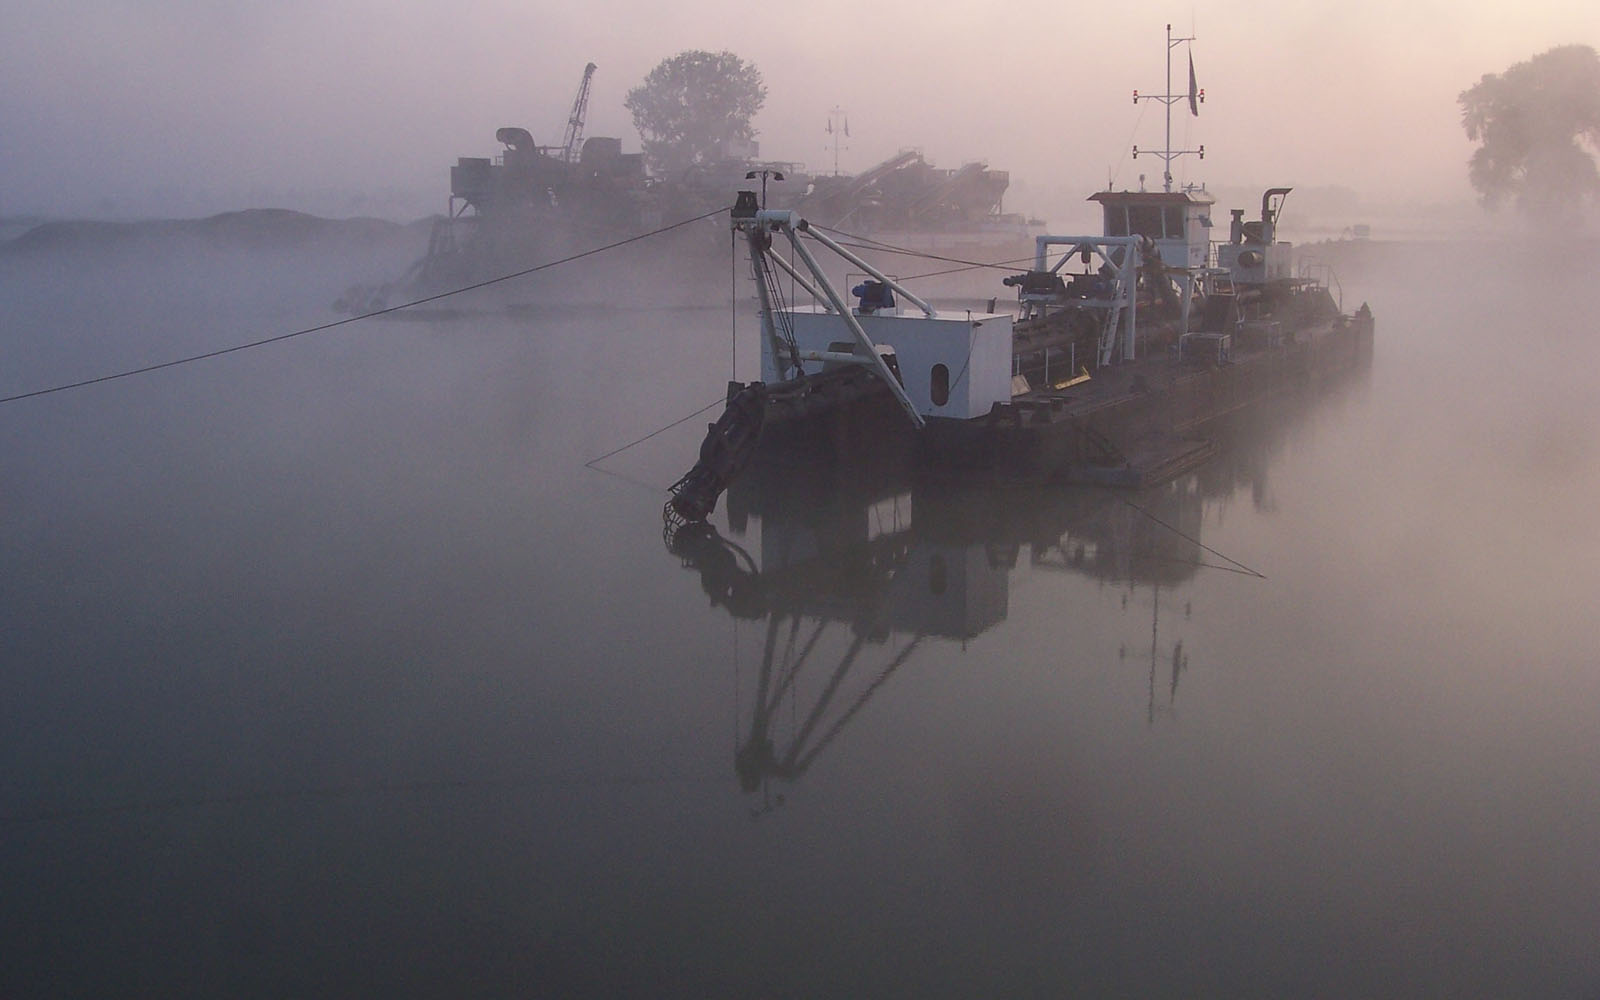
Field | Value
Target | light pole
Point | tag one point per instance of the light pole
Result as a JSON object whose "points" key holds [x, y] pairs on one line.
{"points": [[765, 172]]}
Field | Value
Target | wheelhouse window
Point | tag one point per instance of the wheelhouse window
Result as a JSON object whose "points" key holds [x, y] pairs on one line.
{"points": [[1172, 215], [1145, 220]]}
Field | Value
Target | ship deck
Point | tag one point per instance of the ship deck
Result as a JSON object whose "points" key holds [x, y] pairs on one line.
{"points": [[1139, 422]]}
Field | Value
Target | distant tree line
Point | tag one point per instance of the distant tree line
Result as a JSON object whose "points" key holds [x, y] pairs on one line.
{"points": [[1537, 124]]}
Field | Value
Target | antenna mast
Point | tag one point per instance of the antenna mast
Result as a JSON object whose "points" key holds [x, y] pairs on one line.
{"points": [[1194, 96], [838, 127]]}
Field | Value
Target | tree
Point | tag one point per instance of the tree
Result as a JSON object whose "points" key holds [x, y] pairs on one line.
{"points": [[1538, 124], [692, 106]]}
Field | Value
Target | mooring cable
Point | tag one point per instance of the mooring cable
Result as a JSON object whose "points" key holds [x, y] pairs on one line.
{"points": [[1138, 120], [352, 319], [1008, 265], [591, 463], [1190, 538], [880, 245]]}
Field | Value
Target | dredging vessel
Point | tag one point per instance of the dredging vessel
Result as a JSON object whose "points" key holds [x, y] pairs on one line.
{"points": [[1123, 346], [530, 202]]}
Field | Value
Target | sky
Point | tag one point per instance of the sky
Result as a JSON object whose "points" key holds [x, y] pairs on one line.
{"points": [[152, 108]]}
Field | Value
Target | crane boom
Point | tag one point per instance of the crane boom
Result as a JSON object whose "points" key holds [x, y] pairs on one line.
{"points": [[580, 109]]}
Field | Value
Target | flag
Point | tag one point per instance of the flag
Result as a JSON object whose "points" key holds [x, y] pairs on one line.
{"points": [[1194, 90], [830, 126], [847, 128]]}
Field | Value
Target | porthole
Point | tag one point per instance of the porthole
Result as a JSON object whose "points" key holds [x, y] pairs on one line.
{"points": [[939, 385]]}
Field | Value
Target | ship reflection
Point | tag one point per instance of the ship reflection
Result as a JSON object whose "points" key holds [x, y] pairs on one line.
{"points": [[859, 563]]}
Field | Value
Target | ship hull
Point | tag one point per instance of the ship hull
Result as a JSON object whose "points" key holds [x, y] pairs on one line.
{"points": [[1132, 425]]}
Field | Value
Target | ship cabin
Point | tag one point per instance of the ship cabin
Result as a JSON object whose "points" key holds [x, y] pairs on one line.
{"points": [[1253, 254], [1179, 222]]}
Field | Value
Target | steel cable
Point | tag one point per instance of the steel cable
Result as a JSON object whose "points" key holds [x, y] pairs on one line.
{"points": [[350, 319]]}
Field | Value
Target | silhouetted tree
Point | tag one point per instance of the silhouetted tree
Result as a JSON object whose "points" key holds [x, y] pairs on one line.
{"points": [[1537, 123], [692, 105]]}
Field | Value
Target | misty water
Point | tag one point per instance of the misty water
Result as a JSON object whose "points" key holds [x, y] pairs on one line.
{"points": [[330, 668]]}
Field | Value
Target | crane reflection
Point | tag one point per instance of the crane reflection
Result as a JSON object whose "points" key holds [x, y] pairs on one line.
{"points": [[888, 561]]}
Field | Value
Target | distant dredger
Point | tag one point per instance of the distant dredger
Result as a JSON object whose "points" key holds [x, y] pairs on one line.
{"points": [[529, 200]]}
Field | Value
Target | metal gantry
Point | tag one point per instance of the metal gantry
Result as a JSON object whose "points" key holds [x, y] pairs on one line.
{"points": [[759, 226], [1120, 258]]}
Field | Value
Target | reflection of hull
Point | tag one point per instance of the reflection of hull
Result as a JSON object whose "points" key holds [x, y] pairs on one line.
{"points": [[854, 550], [845, 512]]}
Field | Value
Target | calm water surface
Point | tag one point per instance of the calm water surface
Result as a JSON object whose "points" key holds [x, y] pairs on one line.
{"points": [[329, 668]]}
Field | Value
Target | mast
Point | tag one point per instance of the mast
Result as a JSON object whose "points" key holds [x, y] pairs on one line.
{"points": [[838, 126], [1193, 95]]}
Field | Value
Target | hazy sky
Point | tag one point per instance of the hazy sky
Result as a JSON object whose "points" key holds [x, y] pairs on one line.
{"points": [[358, 106]]}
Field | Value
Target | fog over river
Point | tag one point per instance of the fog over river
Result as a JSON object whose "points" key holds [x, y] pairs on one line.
{"points": [[330, 668]]}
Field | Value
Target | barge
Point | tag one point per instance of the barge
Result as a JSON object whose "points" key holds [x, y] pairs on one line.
{"points": [[1123, 346]]}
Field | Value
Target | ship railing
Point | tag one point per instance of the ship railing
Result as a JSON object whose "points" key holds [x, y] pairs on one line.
{"points": [[1323, 274]]}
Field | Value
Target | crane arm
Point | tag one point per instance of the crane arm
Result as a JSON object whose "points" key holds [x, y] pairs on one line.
{"points": [[580, 110]]}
